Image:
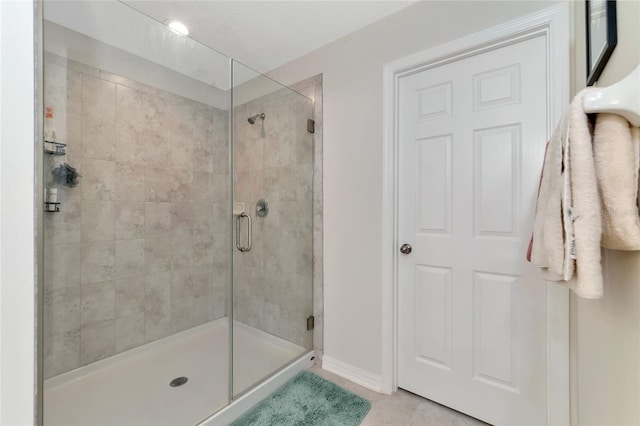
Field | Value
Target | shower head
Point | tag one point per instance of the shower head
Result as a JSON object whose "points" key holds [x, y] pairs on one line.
{"points": [[252, 119]]}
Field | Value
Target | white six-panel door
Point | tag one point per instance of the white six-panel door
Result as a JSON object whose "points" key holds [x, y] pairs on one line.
{"points": [[471, 311]]}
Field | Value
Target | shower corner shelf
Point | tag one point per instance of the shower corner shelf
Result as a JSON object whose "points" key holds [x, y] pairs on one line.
{"points": [[55, 148], [51, 207]]}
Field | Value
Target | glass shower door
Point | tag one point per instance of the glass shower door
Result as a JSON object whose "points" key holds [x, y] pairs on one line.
{"points": [[273, 211], [137, 224]]}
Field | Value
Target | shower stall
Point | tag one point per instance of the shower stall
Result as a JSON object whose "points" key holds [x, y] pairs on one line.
{"points": [[178, 224]]}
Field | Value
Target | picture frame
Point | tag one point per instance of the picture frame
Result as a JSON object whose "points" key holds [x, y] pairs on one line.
{"points": [[601, 36]]}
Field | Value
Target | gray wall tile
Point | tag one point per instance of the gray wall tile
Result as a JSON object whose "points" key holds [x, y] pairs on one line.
{"points": [[130, 144], [129, 257], [130, 296], [157, 315], [157, 218], [98, 262], [61, 353], [157, 254], [157, 148], [97, 341], [158, 184], [181, 150], [98, 97], [182, 217], [61, 310], [130, 219], [98, 221], [98, 137], [129, 183], [181, 186], [97, 303], [98, 179], [129, 332], [62, 265]]}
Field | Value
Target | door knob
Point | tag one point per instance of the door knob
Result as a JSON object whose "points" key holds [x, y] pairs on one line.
{"points": [[405, 248]]}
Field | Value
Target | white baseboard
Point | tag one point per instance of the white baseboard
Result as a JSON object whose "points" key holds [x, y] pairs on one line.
{"points": [[354, 374]]}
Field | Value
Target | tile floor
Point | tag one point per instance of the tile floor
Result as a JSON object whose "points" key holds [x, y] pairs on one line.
{"points": [[401, 409]]}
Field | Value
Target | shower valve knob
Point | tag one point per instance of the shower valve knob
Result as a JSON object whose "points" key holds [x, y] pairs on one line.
{"points": [[405, 248]]}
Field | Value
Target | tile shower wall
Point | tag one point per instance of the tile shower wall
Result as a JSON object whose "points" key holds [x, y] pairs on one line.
{"points": [[274, 161], [140, 248]]}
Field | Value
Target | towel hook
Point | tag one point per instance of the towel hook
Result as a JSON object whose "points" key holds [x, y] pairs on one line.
{"points": [[622, 98]]}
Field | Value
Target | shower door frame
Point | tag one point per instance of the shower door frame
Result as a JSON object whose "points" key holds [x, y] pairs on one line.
{"points": [[247, 398], [39, 210], [309, 354], [230, 304]]}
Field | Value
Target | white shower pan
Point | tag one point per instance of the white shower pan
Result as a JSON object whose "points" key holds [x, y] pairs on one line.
{"points": [[132, 388]]}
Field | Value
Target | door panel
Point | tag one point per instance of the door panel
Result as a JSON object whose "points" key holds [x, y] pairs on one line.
{"points": [[472, 312], [434, 178], [433, 327]]}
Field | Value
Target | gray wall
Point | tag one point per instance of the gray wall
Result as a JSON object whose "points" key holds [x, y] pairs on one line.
{"points": [[605, 333], [605, 337], [353, 173], [140, 248]]}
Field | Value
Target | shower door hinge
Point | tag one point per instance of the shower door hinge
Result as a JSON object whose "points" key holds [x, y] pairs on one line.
{"points": [[311, 126], [310, 322]]}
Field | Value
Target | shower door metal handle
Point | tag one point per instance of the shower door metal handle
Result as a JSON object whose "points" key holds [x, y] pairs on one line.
{"points": [[249, 232], [238, 219]]}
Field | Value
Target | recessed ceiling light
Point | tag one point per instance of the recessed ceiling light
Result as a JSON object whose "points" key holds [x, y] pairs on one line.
{"points": [[178, 27]]}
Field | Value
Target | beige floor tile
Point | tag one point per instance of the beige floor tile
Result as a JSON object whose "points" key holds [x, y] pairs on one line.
{"points": [[401, 409]]}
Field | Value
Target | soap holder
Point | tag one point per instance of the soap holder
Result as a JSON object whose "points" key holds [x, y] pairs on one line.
{"points": [[51, 207], [55, 148], [238, 208]]}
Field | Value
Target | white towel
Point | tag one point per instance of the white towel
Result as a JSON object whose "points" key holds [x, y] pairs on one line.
{"points": [[585, 209], [616, 148], [547, 249], [567, 228], [567, 218]]}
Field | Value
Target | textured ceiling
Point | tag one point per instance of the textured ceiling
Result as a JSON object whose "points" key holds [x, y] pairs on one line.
{"points": [[266, 34]]}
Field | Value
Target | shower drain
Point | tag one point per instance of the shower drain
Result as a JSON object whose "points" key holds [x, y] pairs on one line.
{"points": [[178, 381]]}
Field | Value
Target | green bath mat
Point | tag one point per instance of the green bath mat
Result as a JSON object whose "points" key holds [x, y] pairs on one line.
{"points": [[307, 400]]}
